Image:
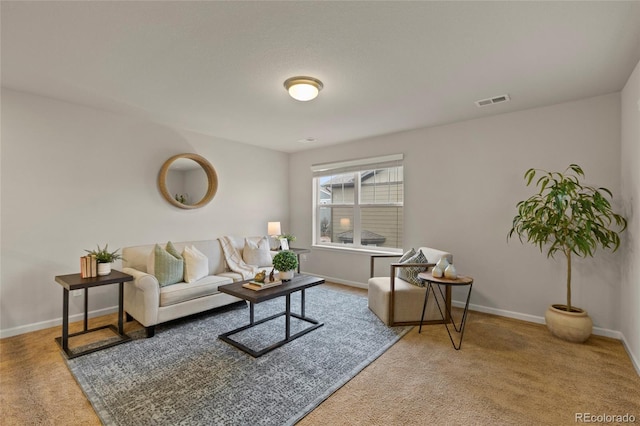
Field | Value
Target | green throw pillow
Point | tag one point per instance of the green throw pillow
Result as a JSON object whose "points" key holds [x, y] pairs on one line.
{"points": [[410, 273], [168, 265]]}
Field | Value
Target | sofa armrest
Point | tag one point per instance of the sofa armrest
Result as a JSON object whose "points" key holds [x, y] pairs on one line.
{"points": [[142, 297], [142, 280]]}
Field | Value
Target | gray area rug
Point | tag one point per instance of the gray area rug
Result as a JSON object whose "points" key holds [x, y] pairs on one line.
{"points": [[185, 375]]}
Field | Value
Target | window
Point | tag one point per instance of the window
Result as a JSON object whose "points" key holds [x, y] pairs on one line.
{"points": [[359, 203]]}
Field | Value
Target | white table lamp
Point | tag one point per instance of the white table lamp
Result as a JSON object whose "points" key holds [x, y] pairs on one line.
{"points": [[273, 228]]}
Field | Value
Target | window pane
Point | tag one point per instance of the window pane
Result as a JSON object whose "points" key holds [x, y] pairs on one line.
{"points": [[336, 225], [367, 201], [382, 186], [382, 226], [337, 189]]}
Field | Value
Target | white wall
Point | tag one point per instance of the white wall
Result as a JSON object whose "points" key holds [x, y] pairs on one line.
{"points": [[74, 177], [462, 182], [630, 288]]}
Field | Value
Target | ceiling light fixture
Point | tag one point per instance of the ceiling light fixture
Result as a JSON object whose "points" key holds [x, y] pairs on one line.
{"points": [[303, 88]]}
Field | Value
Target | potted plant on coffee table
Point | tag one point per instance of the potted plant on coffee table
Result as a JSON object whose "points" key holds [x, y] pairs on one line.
{"points": [[571, 218], [105, 258], [285, 262]]}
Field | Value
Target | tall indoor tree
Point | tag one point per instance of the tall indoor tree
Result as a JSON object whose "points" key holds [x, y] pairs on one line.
{"points": [[569, 217]]}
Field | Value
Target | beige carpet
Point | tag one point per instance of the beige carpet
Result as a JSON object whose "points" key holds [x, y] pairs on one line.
{"points": [[508, 372]]}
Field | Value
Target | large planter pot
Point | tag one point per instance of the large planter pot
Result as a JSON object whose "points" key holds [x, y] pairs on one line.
{"points": [[286, 275], [572, 326], [104, 269]]}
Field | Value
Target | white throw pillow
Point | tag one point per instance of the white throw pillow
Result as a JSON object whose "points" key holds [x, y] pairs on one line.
{"points": [[257, 254], [196, 264]]}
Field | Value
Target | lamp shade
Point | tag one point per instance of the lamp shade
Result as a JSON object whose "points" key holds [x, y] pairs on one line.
{"points": [[273, 228]]}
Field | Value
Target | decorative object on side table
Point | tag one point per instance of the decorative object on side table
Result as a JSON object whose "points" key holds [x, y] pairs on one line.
{"points": [[285, 241], [450, 272], [286, 263], [274, 231], [289, 237], [570, 218], [441, 266], [105, 258], [88, 266]]}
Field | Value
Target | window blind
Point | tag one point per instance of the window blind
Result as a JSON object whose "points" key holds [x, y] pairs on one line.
{"points": [[355, 165]]}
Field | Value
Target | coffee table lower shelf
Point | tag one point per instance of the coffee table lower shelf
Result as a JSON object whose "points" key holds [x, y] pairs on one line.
{"points": [[288, 337]]}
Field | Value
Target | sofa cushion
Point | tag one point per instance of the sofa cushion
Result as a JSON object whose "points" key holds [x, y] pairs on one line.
{"points": [[181, 292], [410, 273], [166, 264], [257, 253], [233, 276], [196, 264]]}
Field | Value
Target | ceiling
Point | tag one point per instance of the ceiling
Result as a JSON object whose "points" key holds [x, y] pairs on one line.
{"points": [[218, 67]]}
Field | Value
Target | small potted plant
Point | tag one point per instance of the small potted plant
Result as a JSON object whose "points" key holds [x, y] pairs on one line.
{"points": [[285, 262], [104, 258], [288, 237], [571, 218], [285, 245]]}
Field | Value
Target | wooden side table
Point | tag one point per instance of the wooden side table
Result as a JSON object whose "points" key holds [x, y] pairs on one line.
{"points": [[76, 282], [439, 282]]}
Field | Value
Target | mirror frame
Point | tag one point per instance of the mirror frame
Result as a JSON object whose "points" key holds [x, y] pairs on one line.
{"points": [[212, 178]]}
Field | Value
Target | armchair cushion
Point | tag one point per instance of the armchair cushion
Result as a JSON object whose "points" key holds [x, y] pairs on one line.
{"points": [[410, 273]]}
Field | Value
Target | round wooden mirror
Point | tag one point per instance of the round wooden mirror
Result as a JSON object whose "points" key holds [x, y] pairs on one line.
{"points": [[188, 181]]}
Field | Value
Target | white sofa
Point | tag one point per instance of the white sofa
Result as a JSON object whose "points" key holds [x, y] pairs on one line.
{"points": [[150, 304]]}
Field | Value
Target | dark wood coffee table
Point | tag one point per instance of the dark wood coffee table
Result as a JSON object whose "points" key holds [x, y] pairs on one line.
{"points": [[298, 283]]}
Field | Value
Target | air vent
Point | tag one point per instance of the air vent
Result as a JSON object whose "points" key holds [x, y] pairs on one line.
{"points": [[491, 101]]}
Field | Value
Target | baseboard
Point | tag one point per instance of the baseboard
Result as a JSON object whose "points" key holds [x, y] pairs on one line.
{"points": [[54, 322], [598, 331], [634, 360], [341, 281]]}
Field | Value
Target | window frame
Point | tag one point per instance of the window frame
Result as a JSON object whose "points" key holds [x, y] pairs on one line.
{"points": [[356, 167]]}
